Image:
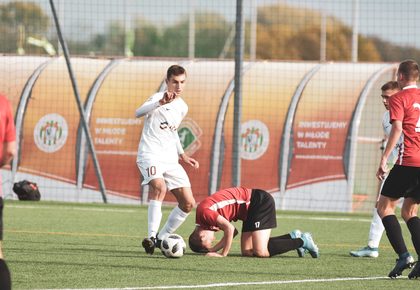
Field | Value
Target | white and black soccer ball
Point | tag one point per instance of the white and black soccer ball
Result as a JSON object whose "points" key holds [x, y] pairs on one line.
{"points": [[173, 246]]}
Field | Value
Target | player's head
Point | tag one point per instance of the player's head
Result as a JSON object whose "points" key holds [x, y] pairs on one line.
{"points": [[200, 240], [175, 79], [408, 72], [388, 89]]}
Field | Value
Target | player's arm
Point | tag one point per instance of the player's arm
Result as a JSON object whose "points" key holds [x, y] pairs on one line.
{"points": [[394, 136], [154, 102], [228, 233], [9, 152], [9, 141], [184, 157], [221, 243], [151, 104], [189, 160]]}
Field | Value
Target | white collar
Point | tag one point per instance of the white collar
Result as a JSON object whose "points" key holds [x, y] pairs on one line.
{"points": [[410, 87]]}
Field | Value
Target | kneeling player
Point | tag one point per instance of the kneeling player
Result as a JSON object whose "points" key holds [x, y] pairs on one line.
{"points": [[256, 209]]}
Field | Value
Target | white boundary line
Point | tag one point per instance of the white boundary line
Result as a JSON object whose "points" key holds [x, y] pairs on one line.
{"points": [[214, 285], [321, 218]]}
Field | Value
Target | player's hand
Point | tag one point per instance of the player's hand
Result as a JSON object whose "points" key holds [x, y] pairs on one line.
{"points": [[191, 161], [167, 98], [382, 170], [214, 254]]}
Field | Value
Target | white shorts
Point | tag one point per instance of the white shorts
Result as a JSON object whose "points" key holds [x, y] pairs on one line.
{"points": [[173, 173]]}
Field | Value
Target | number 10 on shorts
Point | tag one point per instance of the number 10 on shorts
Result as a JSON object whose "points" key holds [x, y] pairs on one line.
{"points": [[151, 171]]}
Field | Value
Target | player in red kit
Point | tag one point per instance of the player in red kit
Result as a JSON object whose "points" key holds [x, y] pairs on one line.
{"points": [[7, 153], [404, 178], [256, 209]]}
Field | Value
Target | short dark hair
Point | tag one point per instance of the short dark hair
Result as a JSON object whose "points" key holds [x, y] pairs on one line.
{"points": [[175, 70], [391, 85], [409, 69], [195, 243]]}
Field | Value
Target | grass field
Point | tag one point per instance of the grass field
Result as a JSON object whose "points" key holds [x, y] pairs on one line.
{"points": [[59, 245]]}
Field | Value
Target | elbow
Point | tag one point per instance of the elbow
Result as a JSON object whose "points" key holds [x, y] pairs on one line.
{"points": [[11, 151], [12, 154], [139, 112], [7, 158]]}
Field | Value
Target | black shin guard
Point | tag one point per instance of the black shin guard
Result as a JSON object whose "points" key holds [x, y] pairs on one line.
{"points": [[279, 245], [394, 233], [413, 225]]}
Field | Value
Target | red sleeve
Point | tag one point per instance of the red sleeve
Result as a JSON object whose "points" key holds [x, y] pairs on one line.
{"points": [[396, 108]]}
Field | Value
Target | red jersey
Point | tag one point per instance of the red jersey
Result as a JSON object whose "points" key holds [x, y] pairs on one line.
{"points": [[404, 106], [7, 125], [231, 203]]}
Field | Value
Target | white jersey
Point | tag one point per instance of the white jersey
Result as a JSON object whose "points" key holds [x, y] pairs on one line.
{"points": [[159, 139], [387, 126]]}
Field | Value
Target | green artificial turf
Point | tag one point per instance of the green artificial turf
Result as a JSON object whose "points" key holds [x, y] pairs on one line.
{"points": [[60, 246]]}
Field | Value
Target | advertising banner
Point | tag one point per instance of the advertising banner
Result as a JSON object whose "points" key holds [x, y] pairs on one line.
{"points": [[267, 92], [52, 118], [321, 123]]}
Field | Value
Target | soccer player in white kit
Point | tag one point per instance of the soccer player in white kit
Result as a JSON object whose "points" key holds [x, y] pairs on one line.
{"points": [[159, 152], [376, 226]]}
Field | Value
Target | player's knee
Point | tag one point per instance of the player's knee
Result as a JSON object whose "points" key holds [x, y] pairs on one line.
{"points": [[157, 190], [379, 210], [187, 206], [407, 213], [260, 253], [384, 210], [247, 252]]}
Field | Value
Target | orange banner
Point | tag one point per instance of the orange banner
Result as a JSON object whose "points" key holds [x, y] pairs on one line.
{"points": [[267, 92], [52, 118], [321, 123]]}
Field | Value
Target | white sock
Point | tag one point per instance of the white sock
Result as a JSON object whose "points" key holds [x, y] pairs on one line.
{"points": [[154, 216], [175, 219], [376, 230]]}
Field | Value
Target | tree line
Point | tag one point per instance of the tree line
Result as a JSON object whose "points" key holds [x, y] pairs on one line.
{"points": [[283, 33]]}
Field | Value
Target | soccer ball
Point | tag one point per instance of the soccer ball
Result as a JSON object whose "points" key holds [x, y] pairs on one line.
{"points": [[173, 246]]}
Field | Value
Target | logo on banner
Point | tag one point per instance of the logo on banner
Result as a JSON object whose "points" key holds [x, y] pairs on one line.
{"points": [[189, 134], [50, 133], [254, 139]]}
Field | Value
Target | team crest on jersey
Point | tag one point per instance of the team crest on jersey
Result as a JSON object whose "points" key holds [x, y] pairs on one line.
{"points": [[50, 133], [255, 138], [189, 133]]}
